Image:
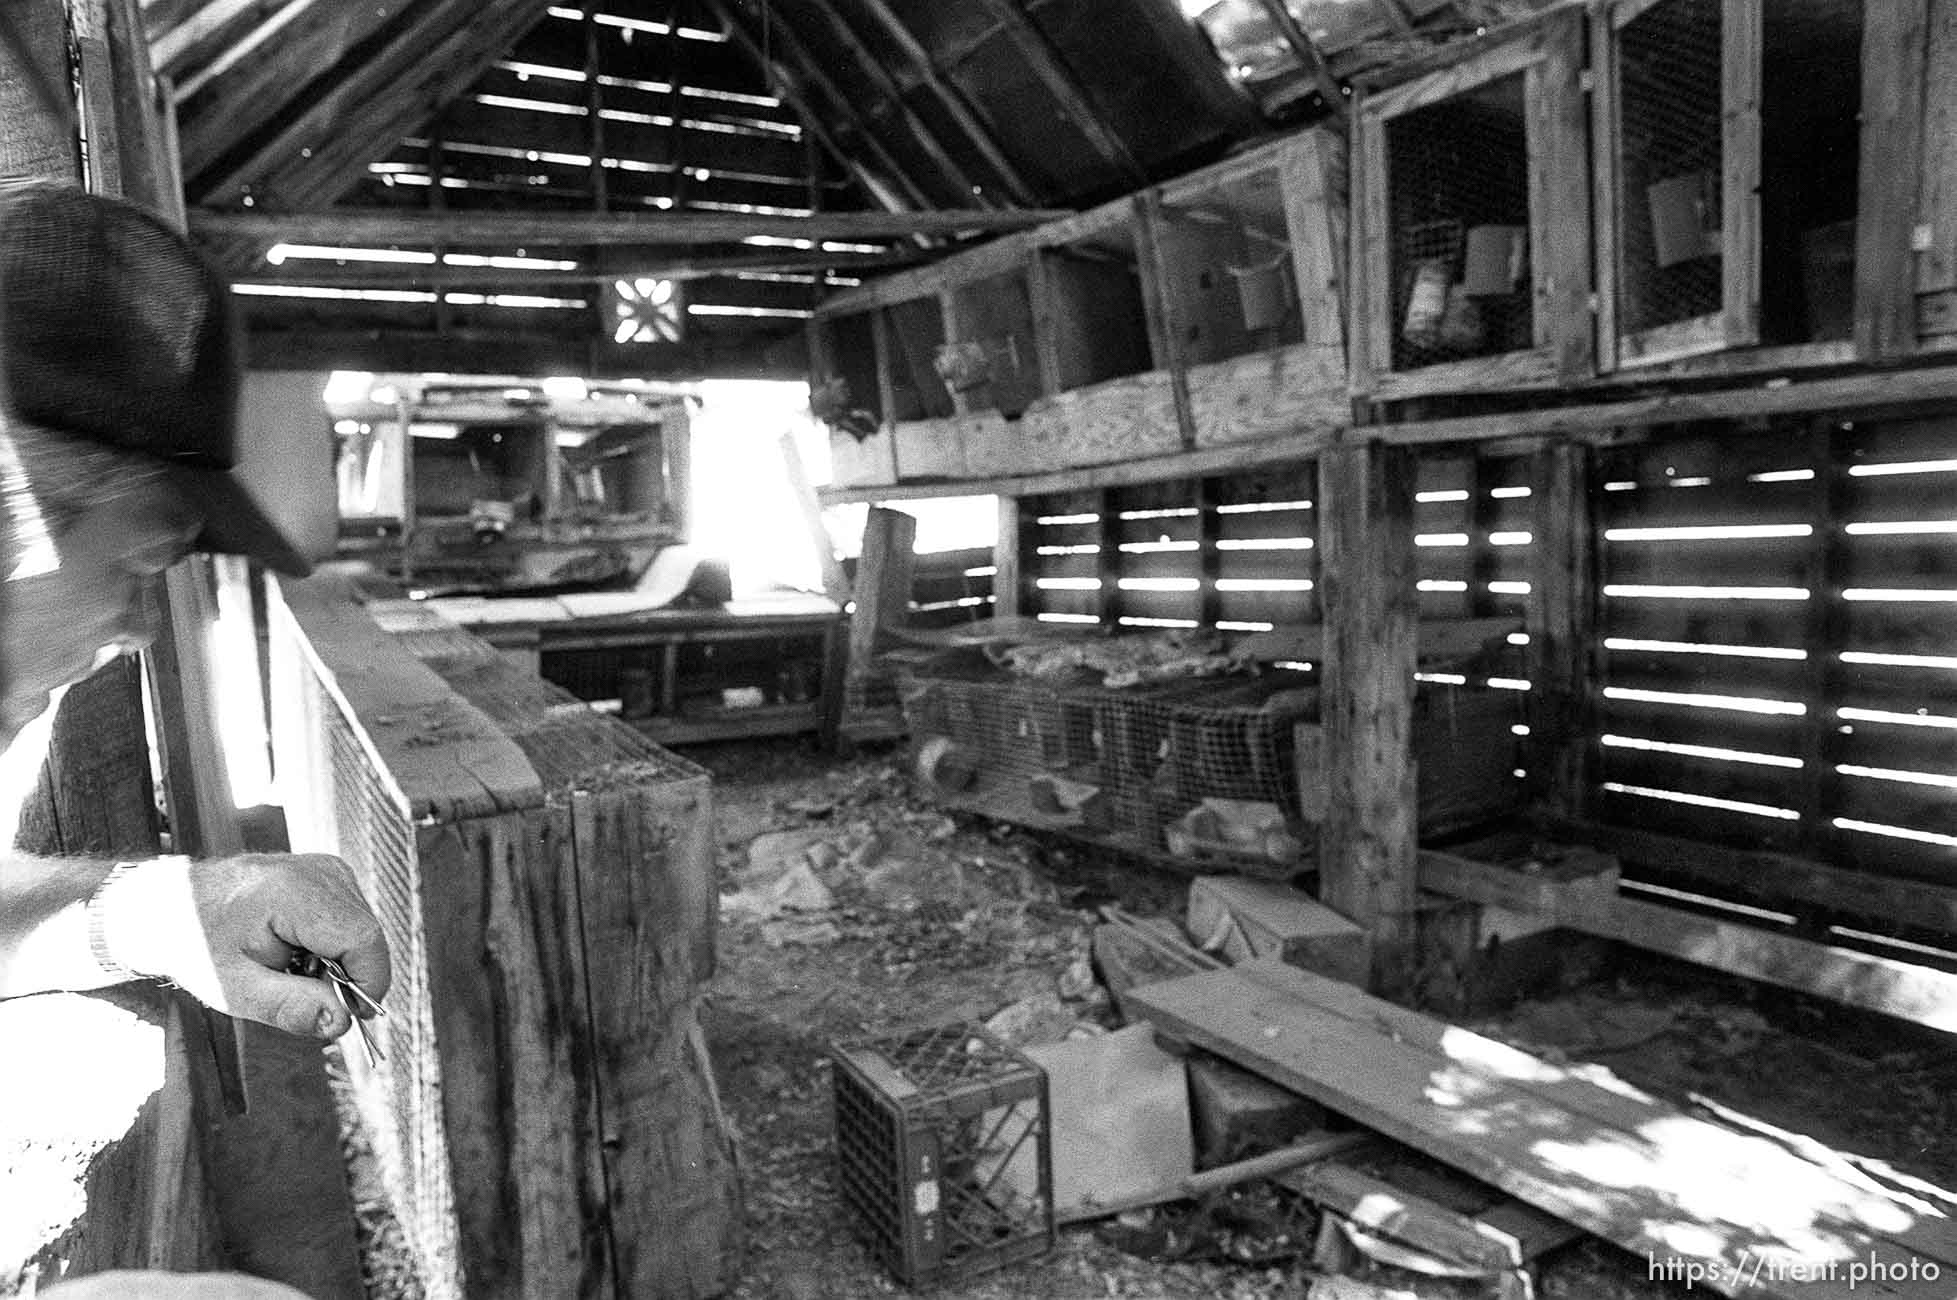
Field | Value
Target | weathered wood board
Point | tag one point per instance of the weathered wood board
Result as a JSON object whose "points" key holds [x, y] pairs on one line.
{"points": [[1578, 1144]]}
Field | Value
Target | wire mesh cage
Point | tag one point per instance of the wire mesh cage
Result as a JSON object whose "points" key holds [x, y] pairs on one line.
{"points": [[1670, 164], [1192, 773], [1458, 221], [943, 1151]]}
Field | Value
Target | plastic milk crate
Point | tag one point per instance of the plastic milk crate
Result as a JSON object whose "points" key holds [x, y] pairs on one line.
{"points": [[942, 1151]]}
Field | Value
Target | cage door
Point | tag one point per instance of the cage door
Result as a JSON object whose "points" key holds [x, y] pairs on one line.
{"points": [[1677, 138]]}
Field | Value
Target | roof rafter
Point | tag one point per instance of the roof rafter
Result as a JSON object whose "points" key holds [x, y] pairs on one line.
{"points": [[920, 131], [1045, 63], [780, 83], [373, 99], [810, 71], [277, 65], [949, 97]]}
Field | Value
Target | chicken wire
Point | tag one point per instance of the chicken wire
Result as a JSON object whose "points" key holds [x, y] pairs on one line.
{"points": [[1458, 220], [353, 808], [1198, 774], [1669, 165]]}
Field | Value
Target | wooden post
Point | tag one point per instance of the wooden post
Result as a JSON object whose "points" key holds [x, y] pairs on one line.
{"points": [[1826, 633], [1894, 39], [278, 1181], [1165, 330], [834, 584], [1561, 622], [1208, 561], [883, 596], [1008, 575], [1368, 845], [1109, 563]]}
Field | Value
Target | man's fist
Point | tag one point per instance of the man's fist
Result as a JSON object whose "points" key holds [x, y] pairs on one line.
{"points": [[227, 929]]}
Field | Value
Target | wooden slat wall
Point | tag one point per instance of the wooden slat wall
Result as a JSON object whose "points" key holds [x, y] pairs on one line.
{"points": [[1799, 676], [1234, 552], [950, 587], [1789, 686]]}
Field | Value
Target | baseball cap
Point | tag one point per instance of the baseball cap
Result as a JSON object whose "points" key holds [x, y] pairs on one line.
{"points": [[114, 330]]}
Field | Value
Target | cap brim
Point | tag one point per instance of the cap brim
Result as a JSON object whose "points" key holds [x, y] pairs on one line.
{"points": [[234, 523]]}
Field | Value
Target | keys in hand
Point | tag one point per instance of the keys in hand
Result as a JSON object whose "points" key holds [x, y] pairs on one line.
{"points": [[355, 999]]}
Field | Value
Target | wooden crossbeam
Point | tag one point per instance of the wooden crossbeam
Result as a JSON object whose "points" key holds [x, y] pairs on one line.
{"points": [[363, 275], [369, 227], [364, 118], [869, 65], [254, 80], [1044, 62], [170, 50], [1857, 979], [811, 72], [949, 99]]}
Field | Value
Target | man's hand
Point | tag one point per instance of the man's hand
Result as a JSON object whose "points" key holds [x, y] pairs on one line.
{"points": [[226, 930]]}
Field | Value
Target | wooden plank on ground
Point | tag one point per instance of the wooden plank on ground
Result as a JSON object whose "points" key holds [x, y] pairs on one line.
{"points": [[1581, 1146], [1376, 1207]]}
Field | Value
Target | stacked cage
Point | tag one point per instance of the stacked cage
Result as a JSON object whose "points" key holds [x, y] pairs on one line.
{"points": [[942, 1152], [1458, 205], [1671, 156], [1196, 773]]}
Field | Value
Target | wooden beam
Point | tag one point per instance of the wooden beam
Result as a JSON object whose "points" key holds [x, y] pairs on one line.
{"points": [[362, 274], [1780, 396], [374, 226], [1008, 559], [1895, 37], [1165, 325], [813, 72], [1901, 989], [884, 572], [868, 64], [509, 352], [370, 125], [834, 584], [1369, 837], [1774, 878], [812, 121], [331, 133], [240, 51], [1045, 63], [1562, 615], [1893, 988], [1330, 93], [171, 49], [951, 100], [291, 57], [1185, 464]]}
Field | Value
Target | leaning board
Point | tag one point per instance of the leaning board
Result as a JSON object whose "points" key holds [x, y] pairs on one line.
{"points": [[1578, 1143]]}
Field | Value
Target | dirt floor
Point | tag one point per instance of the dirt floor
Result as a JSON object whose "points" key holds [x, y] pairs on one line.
{"points": [[893, 914]]}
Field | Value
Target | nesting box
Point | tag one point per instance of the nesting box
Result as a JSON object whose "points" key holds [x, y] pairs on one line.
{"points": [[943, 1151], [1727, 151], [1472, 262]]}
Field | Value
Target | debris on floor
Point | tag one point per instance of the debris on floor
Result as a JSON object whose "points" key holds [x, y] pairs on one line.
{"points": [[931, 919]]}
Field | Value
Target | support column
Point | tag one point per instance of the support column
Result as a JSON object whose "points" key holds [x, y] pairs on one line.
{"points": [[1008, 572], [883, 595], [1562, 624], [1368, 845]]}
